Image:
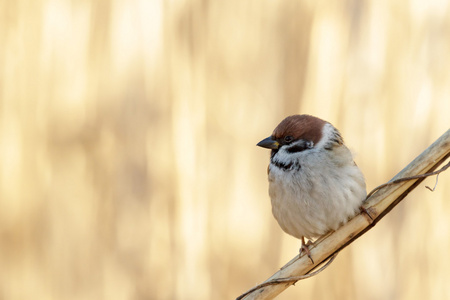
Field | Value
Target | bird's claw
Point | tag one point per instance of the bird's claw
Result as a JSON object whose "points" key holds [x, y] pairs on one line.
{"points": [[305, 247]]}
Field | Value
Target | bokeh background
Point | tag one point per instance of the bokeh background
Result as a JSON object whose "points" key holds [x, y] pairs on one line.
{"points": [[127, 143]]}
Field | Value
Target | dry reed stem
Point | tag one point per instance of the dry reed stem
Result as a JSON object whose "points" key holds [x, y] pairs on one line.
{"points": [[377, 206]]}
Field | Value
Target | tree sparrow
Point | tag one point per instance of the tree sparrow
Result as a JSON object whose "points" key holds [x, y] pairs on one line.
{"points": [[314, 184]]}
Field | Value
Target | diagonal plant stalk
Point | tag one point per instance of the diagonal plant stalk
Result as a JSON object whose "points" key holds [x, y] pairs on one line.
{"points": [[379, 203]]}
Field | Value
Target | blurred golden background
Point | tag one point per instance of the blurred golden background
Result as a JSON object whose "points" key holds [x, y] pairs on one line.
{"points": [[127, 141]]}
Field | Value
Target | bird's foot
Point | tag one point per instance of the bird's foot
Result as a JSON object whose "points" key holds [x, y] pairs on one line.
{"points": [[305, 248]]}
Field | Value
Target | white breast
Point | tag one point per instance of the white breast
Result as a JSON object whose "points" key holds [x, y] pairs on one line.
{"points": [[325, 192]]}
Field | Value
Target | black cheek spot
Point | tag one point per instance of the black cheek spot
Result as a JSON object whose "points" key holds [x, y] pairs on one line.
{"points": [[300, 146], [297, 148]]}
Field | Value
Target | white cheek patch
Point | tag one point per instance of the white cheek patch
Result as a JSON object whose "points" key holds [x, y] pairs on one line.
{"points": [[285, 158], [328, 134]]}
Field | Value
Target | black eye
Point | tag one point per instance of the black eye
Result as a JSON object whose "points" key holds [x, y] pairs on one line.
{"points": [[288, 139]]}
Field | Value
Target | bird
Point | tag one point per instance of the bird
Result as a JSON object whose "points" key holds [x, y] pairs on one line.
{"points": [[314, 184]]}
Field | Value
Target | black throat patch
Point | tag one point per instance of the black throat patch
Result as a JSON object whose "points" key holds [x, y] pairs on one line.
{"points": [[286, 166]]}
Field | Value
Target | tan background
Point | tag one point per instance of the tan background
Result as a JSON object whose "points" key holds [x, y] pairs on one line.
{"points": [[128, 130]]}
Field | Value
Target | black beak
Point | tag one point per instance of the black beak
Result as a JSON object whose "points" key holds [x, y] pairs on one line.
{"points": [[268, 143]]}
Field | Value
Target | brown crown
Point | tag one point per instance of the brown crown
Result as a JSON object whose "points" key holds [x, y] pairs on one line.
{"points": [[300, 127]]}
